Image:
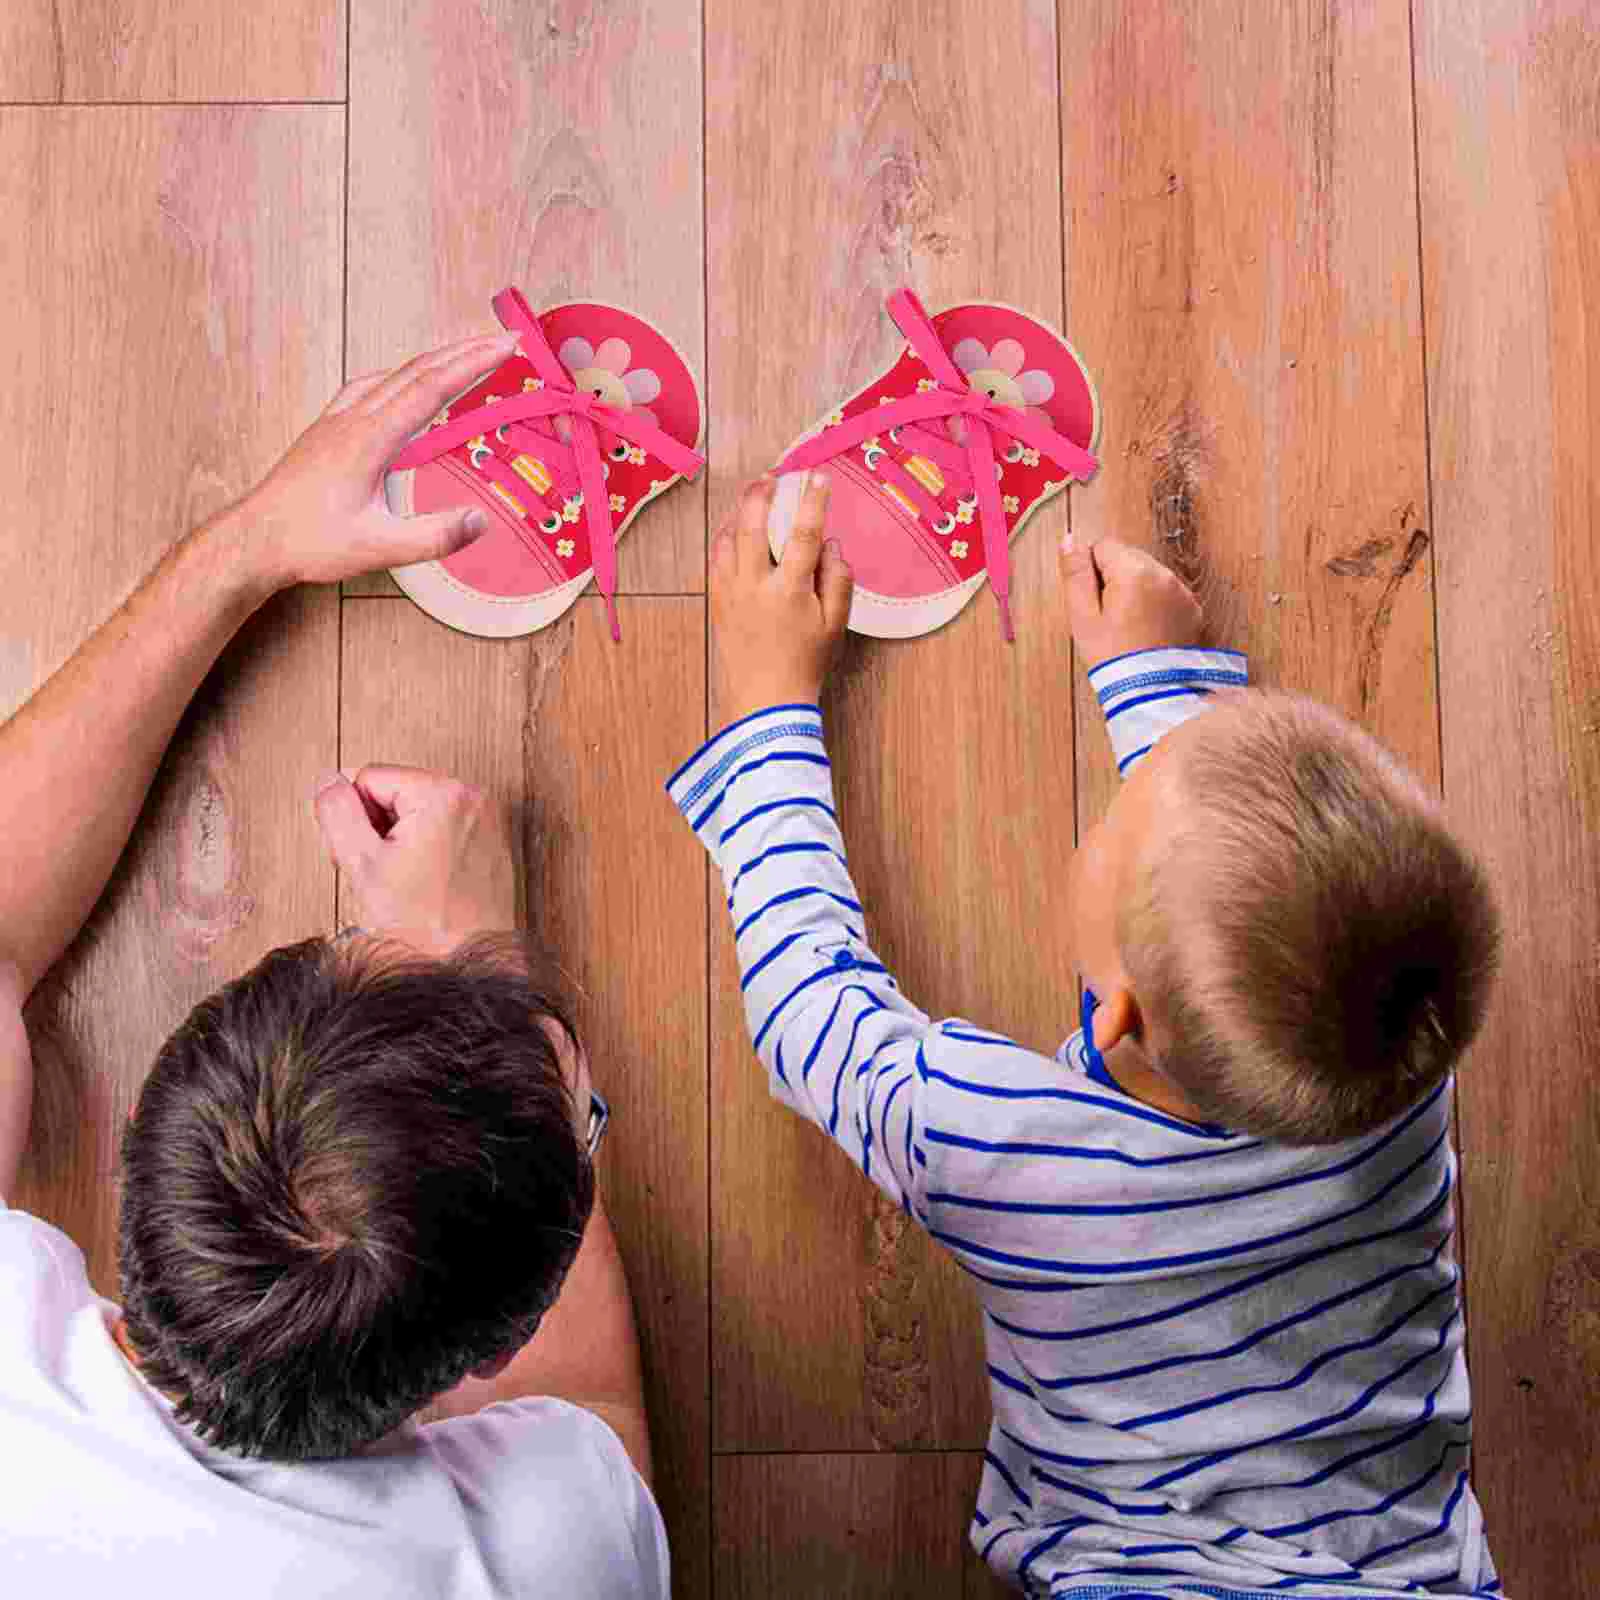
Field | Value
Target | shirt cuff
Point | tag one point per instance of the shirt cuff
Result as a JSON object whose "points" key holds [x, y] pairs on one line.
{"points": [[1145, 694], [697, 788]]}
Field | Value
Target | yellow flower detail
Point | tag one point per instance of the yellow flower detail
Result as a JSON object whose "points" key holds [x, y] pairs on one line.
{"points": [[636, 455], [925, 384], [834, 418], [619, 503], [573, 509], [958, 548], [1030, 458], [1011, 503], [564, 548], [964, 510], [530, 384]]}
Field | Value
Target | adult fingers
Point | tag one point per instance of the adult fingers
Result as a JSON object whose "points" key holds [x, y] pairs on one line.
{"points": [[835, 584], [347, 829], [1082, 579], [433, 535], [356, 389], [751, 552], [401, 790], [802, 552], [409, 396]]}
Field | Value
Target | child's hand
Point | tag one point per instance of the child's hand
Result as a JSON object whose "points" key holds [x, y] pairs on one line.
{"points": [[1121, 599], [776, 627]]}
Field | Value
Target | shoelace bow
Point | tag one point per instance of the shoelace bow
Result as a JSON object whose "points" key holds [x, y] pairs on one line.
{"points": [[973, 458], [527, 421]]}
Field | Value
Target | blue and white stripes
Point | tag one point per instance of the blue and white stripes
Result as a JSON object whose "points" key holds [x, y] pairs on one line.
{"points": [[1219, 1367], [1149, 692]]}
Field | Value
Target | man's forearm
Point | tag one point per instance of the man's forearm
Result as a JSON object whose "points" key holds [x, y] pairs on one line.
{"points": [[77, 760]]}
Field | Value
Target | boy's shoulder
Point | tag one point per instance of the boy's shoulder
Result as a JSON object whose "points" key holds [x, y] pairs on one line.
{"points": [[1019, 1147]]}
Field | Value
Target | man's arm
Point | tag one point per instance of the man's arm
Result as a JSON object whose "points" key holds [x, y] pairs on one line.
{"points": [[77, 760]]}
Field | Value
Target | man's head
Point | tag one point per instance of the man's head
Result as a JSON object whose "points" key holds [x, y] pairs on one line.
{"points": [[353, 1178], [1276, 913]]}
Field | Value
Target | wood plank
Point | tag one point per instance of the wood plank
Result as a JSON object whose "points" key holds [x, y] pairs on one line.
{"points": [[577, 734], [1241, 262], [848, 1525], [1508, 102], [925, 157], [173, 323], [554, 147], [144, 50]]}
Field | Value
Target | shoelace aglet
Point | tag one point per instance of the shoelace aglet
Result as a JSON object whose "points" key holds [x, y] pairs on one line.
{"points": [[1006, 629], [611, 617]]}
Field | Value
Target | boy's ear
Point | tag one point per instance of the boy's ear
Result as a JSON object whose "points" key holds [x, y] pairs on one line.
{"points": [[1116, 1018]]}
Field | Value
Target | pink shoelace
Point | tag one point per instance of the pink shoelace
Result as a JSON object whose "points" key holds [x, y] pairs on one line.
{"points": [[576, 465], [968, 466]]}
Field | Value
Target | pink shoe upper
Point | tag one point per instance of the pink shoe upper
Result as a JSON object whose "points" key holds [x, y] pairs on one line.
{"points": [[934, 465]]}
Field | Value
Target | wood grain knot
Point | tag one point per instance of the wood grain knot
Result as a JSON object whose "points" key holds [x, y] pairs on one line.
{"points": [[895, 1374], [201, 869]]}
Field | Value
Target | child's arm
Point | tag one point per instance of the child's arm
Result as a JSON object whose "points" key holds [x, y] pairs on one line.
{"points": [[1137, 627], [841, 1044]]}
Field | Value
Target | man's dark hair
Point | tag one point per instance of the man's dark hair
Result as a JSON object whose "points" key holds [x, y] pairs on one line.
{"points": [[353, 1176]]}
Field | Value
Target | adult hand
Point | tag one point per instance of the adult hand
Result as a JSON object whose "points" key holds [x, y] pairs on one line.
{"points": [[1121, 599], [776, 626], [427, 858], [320, 514]]}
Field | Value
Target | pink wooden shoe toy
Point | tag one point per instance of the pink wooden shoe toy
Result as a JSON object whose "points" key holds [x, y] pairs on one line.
{"points": [[936, 465], [562, 445]]}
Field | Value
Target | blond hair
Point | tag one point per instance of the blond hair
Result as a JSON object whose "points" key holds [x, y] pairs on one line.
{"points": [[1312, 948]]}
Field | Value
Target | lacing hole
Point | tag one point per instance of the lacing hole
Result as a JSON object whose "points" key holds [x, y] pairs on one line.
{"points": [[945, 524], [550, 525], [873, 456], [1013, 452], [500, 433], [894, 433], [476, 454], [618, 451]]}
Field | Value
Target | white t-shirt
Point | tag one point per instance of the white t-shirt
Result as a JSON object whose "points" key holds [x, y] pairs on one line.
{"points": [[103, 1491]]}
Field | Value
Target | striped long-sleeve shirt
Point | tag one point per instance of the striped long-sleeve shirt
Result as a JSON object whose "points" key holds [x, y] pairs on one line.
{"points": [[1219, 1366]]}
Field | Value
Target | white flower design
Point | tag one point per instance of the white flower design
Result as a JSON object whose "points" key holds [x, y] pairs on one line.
{"points": [[604, 371], [1030, 458], [573, 509], [636, 455], [964, 510], [619, 503], [925, 384], [834, 417], [564, 549], [529, 385], [491, 399], [885, 399], [958, 548], [1011, 503], [874, 443], [998, 373]]}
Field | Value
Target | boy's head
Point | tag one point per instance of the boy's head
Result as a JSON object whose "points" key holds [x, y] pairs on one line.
{"points": [[353, 1178], [1283, 922]]}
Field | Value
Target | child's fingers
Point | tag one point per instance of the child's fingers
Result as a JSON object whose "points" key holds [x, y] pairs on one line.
{"points": [[835, 584], [803, 551], [346, 824], [751, 552], [1119, 562], [1082, 579]]}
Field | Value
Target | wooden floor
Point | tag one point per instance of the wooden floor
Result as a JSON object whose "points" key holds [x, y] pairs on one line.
{"points": [[1336, 267]]}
